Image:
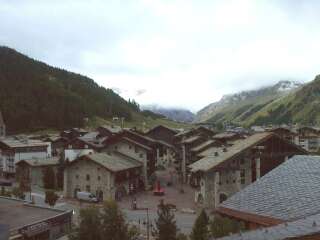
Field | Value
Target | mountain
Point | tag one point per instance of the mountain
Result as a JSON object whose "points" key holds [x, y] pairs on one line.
{"points": [[34, 95], [237, 108], [301, 106], [175, 114]]}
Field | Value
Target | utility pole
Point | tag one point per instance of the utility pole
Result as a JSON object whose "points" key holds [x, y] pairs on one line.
{"points": [[148, 222]]}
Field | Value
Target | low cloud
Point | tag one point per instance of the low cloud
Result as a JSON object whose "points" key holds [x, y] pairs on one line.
{"points": [[171, 53]]}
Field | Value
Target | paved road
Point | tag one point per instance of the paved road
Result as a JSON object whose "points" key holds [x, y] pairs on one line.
{"points": [[184, 221]]}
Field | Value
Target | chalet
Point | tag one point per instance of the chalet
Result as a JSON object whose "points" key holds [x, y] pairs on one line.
{"points": [[122, 144], [57, 144], [228, 137], [31, 171], [203, 131], [308, 138], [187, 142], [105, 175], [13, 150], [285, 133], [108, 131], [162, 133], [90, 140], [164, 153], [230, 169], [73, 133], [2, 126], [288, 193]]}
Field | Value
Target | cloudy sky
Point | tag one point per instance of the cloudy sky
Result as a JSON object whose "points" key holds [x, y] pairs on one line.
{"points": [[172, 53]]}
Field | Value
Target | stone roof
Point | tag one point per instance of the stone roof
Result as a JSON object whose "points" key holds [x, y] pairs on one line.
{"points": [[161, 126], [113, 129], [113, 162], [302, 227], [136, 143], [211, 151], [18, 213], [289, 192], [211, 161], [225, 135], [202, 145], [41, 162], [14, 143], [191, 139]]}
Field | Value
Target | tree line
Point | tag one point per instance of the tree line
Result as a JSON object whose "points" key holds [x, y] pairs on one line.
{"points": [[35, 96], [110, 224]]}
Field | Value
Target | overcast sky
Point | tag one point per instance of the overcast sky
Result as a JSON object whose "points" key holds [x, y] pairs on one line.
{"points": [[172, 53]]}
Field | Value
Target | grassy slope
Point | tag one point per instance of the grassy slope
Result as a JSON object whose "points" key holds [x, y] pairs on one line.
{"points": [[302, 106], [137, 122]]}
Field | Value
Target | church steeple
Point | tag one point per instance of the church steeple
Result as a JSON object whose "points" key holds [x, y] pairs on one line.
{"points": [[2, 126]]}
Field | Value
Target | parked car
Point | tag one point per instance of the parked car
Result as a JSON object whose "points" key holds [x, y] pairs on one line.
{"points": [[86, 196]]}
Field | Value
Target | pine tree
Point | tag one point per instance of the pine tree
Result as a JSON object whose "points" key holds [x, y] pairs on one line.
{"points": [[113, 222], [89, 227], [166, 224], [51, 198], [200, 228]]}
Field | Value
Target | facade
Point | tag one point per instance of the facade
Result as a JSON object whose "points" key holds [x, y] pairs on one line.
{"points": [[91, 140], [135, 150], [109, 130], [2, 126], [162, 133], [308, 138], [288, 193], [105, 175], [58, 144], [73, 133], [230, 169], [72, 154], [285, 133], [13, 150], [28, 221], [32, 170]]}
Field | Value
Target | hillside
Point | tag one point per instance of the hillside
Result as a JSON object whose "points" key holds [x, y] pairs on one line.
{"points": [[175, 114], [36, 96], [301, 106], [238, 108]]}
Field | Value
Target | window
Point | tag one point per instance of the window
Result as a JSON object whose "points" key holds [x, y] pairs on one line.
{"points": [[77, 176], [88, 177], [99, 178], [116, 147], [130, 147], [243, 176], [141, 155], [88, 188], [136, 150], [241, 161]]}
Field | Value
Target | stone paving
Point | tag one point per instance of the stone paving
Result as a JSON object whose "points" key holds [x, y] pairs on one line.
{"points": [[172, 195]]}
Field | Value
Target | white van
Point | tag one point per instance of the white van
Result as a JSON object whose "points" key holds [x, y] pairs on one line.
{"points": [[86, 196]]}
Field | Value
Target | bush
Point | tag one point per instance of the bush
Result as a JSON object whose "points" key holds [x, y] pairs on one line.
{"points": [[51, 198], [221, 227], [5, 193], [18, 193]]}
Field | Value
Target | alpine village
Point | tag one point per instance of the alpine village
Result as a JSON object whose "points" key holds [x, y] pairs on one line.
{"points": [[77, 161]]}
